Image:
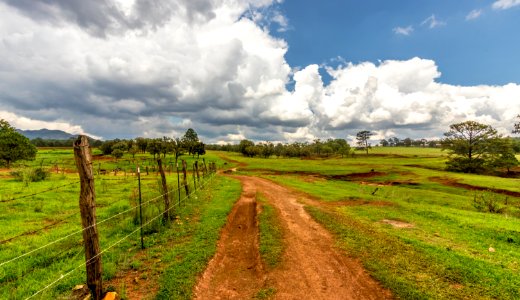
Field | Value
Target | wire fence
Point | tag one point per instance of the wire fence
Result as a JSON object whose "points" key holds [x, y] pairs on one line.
{"points": [[92, 259], [201, 184]]}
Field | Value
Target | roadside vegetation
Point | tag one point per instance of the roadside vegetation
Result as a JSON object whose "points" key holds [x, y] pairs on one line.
{"points": [[37, 213], [271, 234]]}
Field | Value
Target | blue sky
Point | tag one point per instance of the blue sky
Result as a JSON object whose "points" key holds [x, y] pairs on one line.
{"points": [[467, 51], [266, 70]]}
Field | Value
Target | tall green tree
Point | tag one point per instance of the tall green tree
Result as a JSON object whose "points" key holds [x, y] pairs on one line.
{"points": [[13, 145], [190, 140], [470, 145], [362, 138]]}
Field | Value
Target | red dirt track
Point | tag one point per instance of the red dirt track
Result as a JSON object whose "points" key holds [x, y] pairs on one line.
{"points": [[311, 267]]}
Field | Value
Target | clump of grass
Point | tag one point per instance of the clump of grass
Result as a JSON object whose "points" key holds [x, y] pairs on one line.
{"points": [[271, 234], [265, 293], [488, 202], [28, 175]]}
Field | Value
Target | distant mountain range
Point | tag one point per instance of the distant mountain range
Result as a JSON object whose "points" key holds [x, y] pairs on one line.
{"points": [[46, 134]]}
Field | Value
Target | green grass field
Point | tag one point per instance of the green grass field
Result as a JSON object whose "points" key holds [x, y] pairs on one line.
{"points": [[36, 214], [413, 228], [416, 228]]}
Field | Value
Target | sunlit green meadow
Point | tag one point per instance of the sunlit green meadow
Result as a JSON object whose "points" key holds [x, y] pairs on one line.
{"points": [[40, 235], [399, 212]]}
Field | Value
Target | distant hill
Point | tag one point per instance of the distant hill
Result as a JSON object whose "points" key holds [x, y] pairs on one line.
{"points": [[46, 134]]}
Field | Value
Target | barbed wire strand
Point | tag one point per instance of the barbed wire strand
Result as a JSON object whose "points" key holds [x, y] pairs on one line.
{"points": [[105, 250]]}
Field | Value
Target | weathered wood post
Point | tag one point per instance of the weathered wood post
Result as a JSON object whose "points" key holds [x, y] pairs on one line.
{"points": [[166, 214], [205, 168], [197, 171], [87, 205], [178, 183], [185, 179], [140, 206], [194, 179]]}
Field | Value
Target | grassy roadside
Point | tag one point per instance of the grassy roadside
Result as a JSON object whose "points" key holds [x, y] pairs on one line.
{"points": [[192, 248], [52, 213], [271, 234], [416, 270], [271, 244]]}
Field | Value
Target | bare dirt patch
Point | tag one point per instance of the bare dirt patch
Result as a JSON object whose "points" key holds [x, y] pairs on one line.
{"points": [[454, 183], [311, 267], [138, 284], [397, 224]]}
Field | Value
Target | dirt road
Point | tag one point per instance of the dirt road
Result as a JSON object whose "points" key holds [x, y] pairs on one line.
{"points": [[311, 267]]}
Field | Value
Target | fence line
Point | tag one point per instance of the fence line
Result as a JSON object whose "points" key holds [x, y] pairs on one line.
{"points": [[88, 227], [109, 247]]}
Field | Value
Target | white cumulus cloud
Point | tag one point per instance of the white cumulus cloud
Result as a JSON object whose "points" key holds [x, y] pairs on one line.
{"points": [[505, 4], [126, 68]]}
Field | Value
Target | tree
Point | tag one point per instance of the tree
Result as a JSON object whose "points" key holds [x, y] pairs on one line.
{"points": [[106, 147], [190, 140], [142, 143], [154, 147], [503, 154], [177, 149], [133, 150], [517, 126], [166, 146], [470, 145], [199, 149], [243, 146], [117, 153], [13, 145], [362, 138]]}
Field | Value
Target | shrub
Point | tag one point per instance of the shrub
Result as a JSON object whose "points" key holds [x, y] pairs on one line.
{"points": [[488, 202], [28, 175]]}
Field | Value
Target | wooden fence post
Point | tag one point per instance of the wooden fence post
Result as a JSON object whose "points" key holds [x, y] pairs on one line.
{"points": [[166, 214], [87, 205], [197, 170], [185, 180], [205, 168], [194, 179]]}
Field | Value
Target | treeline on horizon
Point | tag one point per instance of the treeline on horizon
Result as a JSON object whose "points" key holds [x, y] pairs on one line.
{"points": [[334, 144]]}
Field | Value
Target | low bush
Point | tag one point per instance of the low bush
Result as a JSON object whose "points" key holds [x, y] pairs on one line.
{"points": [[28, 175]]}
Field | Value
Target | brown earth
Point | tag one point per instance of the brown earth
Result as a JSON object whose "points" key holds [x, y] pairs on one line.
{"points": [[455, 183], [311, 267]]}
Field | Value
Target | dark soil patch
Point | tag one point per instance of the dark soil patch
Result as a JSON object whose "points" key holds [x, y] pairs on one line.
{"points": [[357, 176], [359, 202], [454, 183]]}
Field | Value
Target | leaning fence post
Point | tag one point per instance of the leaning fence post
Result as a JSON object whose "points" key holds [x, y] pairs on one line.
{"points": [[87, 205]]}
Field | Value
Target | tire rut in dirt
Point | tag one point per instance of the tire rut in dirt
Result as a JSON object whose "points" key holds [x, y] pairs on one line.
{"points": [[235, 272]]}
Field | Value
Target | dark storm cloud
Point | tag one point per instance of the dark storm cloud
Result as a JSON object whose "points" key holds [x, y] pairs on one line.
{"points": [[102, 17], [95, 16]]}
